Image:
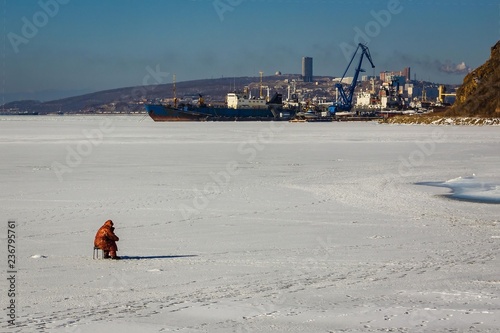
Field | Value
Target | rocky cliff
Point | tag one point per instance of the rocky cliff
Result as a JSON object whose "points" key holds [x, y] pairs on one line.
{"points": [[479, 94]]}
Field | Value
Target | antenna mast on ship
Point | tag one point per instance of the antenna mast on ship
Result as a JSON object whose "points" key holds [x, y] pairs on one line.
{"points": [[175, 91], [261, 95]]}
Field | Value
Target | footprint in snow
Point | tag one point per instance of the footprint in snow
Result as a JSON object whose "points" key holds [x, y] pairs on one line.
{"points": [[38, 256], [378, 237], [155, 270]]}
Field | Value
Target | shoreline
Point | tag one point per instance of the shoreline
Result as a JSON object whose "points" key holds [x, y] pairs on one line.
{"points": [[399, 120]]}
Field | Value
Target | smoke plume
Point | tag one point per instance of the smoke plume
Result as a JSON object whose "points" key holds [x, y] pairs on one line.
{"points": [[452, 68]]}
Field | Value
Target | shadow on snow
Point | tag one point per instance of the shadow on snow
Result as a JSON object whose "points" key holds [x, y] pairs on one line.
{"points": [[470, 189], [156, 257]]}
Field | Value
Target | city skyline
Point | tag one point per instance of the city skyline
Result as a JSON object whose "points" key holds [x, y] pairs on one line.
{"points": [[69, 47]]}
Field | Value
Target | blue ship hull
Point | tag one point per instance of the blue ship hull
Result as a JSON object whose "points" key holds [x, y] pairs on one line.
{"points": [[205, 113]]}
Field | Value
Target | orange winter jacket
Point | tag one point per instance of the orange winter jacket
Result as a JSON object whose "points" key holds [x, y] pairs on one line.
{"points": [[105, 238]]}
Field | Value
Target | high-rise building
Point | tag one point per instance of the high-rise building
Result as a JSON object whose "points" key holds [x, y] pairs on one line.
{"points": [[307, 69], [406, 73]]}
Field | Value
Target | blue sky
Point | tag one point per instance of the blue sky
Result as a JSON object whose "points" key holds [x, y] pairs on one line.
{"points": [[77, 46]]}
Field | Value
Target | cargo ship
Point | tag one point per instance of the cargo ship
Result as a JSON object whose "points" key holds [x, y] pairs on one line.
{"points": [[238, 107]]}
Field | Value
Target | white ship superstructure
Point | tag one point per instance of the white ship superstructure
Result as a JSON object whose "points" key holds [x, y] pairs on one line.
{"points": [[236, 101]]}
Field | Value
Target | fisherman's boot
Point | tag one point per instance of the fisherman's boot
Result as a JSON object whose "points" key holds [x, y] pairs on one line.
{"points": [[105, 254], [112, 255]]}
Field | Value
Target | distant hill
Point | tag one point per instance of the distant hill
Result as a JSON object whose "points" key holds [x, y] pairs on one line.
{"points": [[215, 89]]}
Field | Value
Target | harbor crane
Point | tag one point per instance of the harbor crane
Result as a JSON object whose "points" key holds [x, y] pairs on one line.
{"points": [[442, 94], [345, 95]]}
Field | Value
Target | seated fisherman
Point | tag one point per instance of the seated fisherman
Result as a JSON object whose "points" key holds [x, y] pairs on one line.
{"points": [[105, 239]]}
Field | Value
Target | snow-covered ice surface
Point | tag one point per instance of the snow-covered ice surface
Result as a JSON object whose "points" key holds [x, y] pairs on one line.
{"points": [[249, 226]]}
